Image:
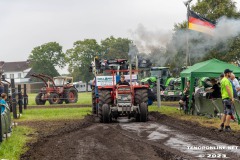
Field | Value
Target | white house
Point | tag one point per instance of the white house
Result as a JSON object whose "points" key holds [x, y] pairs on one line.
{"points": [[20, 71]]}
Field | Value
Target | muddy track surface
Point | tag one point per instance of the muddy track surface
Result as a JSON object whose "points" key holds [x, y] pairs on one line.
{"points": [[162, 137]]}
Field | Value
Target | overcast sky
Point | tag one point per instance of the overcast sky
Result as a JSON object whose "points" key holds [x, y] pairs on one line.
{"points": [[25, 24]]}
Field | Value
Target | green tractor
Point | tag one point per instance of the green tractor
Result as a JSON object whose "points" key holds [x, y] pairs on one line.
{"points": [[173, 91], [165, 78]]}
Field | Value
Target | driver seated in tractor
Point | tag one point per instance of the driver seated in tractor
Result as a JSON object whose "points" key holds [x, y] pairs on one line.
{"points": [[122, 81]]}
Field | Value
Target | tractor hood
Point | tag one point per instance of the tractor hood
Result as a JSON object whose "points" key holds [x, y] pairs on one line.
{"points": [[152, 79]]}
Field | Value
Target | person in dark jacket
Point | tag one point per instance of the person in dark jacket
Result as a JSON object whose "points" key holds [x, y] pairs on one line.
{"points": [[215, 90], [122, 81]]}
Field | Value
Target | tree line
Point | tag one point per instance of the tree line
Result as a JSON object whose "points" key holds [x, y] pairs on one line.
{"points": [[43, 59]]}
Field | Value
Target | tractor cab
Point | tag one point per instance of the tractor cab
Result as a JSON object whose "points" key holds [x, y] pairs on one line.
{"points": [[105, 66], [162, 72], [62, 81]]}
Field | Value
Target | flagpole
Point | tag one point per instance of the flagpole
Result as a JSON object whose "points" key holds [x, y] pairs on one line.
{"points": [[187, 44]]}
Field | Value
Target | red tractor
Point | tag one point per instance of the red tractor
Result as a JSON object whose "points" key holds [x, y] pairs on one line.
{"points": [[56, 90], [111, 101]]}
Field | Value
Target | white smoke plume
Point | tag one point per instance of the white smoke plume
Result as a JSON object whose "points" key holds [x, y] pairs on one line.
{"points": [[160, 46], [151, 44], [147, 40], [133, 51], [226, 28]]}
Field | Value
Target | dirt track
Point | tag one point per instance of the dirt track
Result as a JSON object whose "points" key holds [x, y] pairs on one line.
{"points": [[162, 137]]}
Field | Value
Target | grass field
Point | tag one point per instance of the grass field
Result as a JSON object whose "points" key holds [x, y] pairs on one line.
{"points": [[54, 114]]}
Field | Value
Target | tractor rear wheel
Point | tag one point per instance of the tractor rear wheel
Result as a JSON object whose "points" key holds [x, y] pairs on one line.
{"points": [[54, 98], [94, 109], [39, 100], [143, 112], [105, 98], [141, 96], [71, 95]]}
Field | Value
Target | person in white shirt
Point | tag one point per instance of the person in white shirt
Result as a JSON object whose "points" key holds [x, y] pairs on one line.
{"points": [[235, 83]]}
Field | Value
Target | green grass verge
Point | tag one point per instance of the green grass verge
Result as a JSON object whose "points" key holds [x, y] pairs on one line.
{"points": [[14, 146], [83, 98], [202, 120], [54, 114]]}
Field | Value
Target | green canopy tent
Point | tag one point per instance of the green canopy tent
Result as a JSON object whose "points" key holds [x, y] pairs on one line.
{"points": [[209, 68]]}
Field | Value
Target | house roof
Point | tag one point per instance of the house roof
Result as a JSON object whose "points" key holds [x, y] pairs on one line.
{"points": [[15, 66]]}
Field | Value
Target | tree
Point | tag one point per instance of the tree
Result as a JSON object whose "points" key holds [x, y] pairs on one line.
{"points": [[213, 9], [115, 47], [201, 46], [44, 58], [80, 58]]}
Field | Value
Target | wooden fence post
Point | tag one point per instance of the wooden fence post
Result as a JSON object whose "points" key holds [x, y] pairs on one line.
{"points": [[20, 97], [14, 102], [25, 96]]}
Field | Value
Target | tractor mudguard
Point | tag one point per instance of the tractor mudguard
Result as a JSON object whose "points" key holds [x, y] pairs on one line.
{"points": [[168, 81]]}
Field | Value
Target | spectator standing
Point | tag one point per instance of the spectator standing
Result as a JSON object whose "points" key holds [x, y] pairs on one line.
{"points": [[236, 84], [185, 93], [228, 100]]}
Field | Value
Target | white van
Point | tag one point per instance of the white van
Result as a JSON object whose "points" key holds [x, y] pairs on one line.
{"points": [[81, 87]]}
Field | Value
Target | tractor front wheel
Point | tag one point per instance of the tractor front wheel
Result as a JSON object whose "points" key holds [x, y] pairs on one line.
{"points": [[39, 100], [71, 95], [143, 112], [54, 98], [106, 115]]}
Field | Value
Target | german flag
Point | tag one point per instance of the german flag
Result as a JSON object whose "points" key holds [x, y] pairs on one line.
{"points": [[200, 24]]}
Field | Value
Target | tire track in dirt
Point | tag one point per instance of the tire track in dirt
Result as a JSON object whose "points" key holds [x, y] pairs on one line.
{"points": [[91, 140], [88, 139]]}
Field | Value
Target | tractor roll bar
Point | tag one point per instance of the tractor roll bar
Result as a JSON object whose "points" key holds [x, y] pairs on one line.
{"points": [[43, 78]]}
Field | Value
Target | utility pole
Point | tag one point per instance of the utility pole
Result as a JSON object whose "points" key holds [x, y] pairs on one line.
{"points": [[187, 44], [158, 92]]}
